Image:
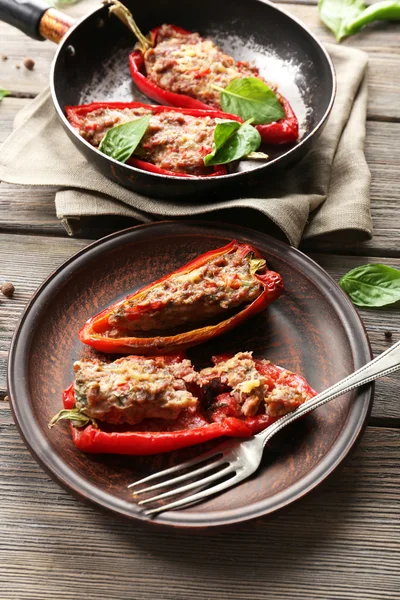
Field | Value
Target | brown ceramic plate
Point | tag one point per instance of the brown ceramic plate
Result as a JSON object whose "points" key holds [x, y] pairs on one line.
{"points": [[312, 329]]}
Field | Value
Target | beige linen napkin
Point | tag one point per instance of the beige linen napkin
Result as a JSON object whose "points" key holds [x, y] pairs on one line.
{"points": [[326, 194]]}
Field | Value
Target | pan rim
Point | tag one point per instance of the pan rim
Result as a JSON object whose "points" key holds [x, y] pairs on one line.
{"points": [[197, 180]]}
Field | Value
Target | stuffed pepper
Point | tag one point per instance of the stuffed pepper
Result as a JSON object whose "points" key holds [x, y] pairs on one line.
{"points": [[148, 405], [205, 298], [159, 139], [180, 68]]}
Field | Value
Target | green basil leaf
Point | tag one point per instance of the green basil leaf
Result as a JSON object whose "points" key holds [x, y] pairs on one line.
{"points": [[122, 140], [251, 98], [3, 93], [347, 17], [232, 142], [74, 414], [372, 286]]}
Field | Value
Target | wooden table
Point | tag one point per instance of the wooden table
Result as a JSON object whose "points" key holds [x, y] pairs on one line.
{"points": [[340, 542]]}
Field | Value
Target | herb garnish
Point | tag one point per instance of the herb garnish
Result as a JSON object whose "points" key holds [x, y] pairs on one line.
{"points": [[74, 415], [232, 140], [3, 93], [347, 17], [372, 285], [251, 98], [122, 140]]}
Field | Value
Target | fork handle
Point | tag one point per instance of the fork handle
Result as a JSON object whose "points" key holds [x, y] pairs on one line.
{"points": [[385, 363]]}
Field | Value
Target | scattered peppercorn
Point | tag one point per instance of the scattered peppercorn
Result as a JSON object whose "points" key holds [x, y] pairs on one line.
{"points": [[29, 63], [7, 289], [17, 66], [388, 334], [4, 57]]}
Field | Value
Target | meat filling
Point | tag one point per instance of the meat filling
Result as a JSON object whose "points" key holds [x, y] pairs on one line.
{"points": [[186, 63], [173, 141], [253, 390], [133, 388], [222, 284]]}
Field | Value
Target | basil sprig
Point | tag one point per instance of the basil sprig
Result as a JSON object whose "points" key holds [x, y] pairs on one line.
{"points": [[73, 414], [347, 17], [232, 140], [251, 98], [122, 140], [3, 93], [372, 286]]}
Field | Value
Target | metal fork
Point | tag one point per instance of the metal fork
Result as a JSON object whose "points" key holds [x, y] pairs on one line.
{"points": [[237, 459]]}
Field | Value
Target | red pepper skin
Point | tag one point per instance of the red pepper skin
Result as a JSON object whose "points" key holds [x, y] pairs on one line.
{"points": [[92, 333], [93, 440], [284, 131], [76, 115]]}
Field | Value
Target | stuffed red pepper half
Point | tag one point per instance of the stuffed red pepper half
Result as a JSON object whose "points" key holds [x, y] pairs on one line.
{"points": [[148, 405], [171, 142], [180, 68], [205, 298]]}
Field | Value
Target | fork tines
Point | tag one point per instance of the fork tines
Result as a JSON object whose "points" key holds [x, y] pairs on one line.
{"points": [[215, 461]]}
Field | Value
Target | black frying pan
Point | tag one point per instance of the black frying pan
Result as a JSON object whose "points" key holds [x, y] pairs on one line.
{"points": [[91, 64]]}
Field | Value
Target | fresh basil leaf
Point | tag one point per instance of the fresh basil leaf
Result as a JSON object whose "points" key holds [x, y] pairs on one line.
{"points": [[372, 286], [232, 142], [74, 414], [122, 140], [224, 129], [3, 93], [251, 98], [336, 13], [347, 17]]}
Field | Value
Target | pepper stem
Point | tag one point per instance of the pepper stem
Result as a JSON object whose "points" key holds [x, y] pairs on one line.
{"points": [[74, 414], [120, 10]]}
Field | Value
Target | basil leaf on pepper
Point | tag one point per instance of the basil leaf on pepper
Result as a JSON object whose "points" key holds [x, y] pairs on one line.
{"points": [[251, 98], [3, 93], [372, 285], [122, 140], [232, 140], [347, 17]]}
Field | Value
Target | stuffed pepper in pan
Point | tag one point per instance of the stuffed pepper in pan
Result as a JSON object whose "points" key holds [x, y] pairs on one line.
{"points": [[180, 68], [159, 139]]}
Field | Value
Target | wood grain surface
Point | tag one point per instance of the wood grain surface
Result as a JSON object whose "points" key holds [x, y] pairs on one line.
{"points": [[340, 543]]}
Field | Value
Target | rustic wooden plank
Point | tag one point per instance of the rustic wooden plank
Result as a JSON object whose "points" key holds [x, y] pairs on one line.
{"points": [[339, 542], [379, 40], [27, 260]]}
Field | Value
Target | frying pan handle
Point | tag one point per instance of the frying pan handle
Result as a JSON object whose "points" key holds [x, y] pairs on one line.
{"points": [[35, 18]]}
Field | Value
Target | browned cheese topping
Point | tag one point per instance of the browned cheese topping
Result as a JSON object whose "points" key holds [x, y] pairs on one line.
{"points": [[189, 64], [173, 141], [252, 388], [133, 388], [222, 284]]}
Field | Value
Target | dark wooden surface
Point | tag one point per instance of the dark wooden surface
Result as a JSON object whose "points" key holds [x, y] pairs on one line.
{"points": [[341, 542]]}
